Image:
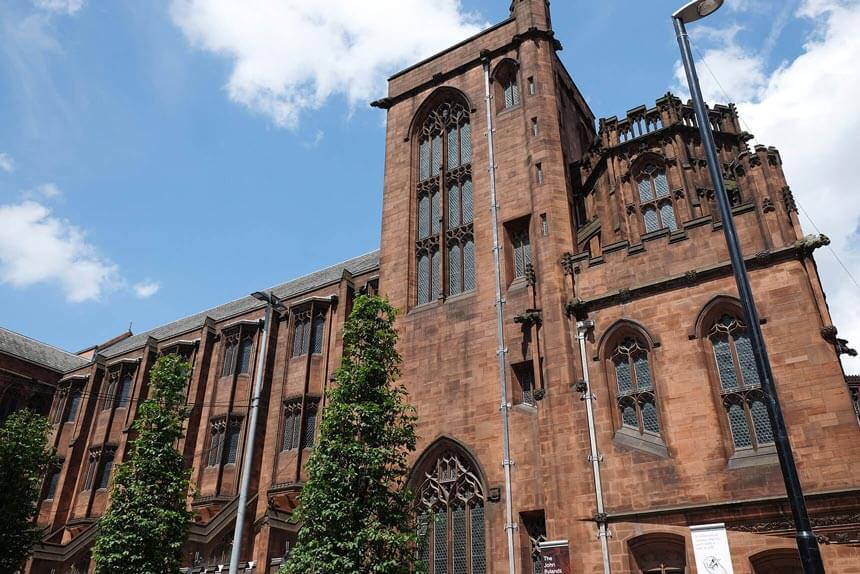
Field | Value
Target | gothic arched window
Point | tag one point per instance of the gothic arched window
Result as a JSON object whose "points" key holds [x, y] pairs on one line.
{"points": [[451, 537], [740, 385], [445, 245], [634, 386], [655, 199], [658, 553]]}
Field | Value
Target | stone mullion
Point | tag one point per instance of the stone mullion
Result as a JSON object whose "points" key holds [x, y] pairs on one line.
{"points": [[443, 287], [304, 399]]}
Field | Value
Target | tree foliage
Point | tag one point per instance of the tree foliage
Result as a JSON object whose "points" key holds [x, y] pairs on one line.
{"points": [[24, 459], [147, 521], [356, 507]]}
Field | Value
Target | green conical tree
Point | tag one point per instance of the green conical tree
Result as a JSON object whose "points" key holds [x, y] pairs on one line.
{"points": [[147, 521], [356, 508], [24, 459]]}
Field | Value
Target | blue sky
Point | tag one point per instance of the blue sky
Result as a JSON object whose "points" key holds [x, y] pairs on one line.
{"points": [[161, 157]]}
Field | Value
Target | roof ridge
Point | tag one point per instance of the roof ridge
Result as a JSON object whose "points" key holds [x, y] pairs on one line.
{"points": [[44, 344]]}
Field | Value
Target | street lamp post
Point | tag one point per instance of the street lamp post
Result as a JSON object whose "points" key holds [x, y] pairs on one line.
{"points": [[272, 304], [807, 544]]}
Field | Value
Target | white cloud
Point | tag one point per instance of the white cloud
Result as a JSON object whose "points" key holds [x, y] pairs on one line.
{"points": [[807, 108], [37, 247], [60, 6], [44, 190], [146, 289], [290, 56], [7, 164]]}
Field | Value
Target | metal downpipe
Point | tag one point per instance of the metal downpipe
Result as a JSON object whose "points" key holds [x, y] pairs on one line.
{"points": [[500, 323], [582, 328]]}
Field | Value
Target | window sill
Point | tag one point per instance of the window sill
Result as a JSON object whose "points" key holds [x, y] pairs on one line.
{"points": [[518, 284], [507, 111], [764, 456], [646, 443]]}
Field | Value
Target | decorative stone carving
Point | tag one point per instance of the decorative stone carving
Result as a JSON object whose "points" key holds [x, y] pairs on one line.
{"points": [[679, 194], [691, 277], [763, 257], [631, 209], [829, 333], [529, 318], [531, 277], [767, 205], [624, 295], [810, 243], [788, 199], [568, 263]]}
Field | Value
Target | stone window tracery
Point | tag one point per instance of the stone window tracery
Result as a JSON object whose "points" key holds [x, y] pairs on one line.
{"points": [[120, 384], [451, 532], [655, 199], [298, 432], [308, 333], [634, 386], [740, 384], [445, 246], [224, 434], [238, 345]]}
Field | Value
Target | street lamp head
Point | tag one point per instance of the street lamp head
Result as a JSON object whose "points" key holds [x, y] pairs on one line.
{"points": [[259, 295], [696, 9]]}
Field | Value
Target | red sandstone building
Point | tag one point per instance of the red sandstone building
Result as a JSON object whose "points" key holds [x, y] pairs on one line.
{"points": [[614, 223]]}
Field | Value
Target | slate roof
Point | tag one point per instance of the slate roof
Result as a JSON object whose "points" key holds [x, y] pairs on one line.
{"points": [[33, 351], [290, 289]]}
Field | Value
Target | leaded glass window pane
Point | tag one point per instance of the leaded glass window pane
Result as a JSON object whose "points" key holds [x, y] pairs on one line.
{"points": [[661, 185], [310, 429], [466, 142], [440, 542], [423, 216], [453, 149], [52, 483], [622, 375], [74, 405], [123, 393], [424, 160], [288, 428], [245, 355], [318, 331], [423, 279], [761, 422], [649, 418], [469, 265], [458, 517], [454, 205], [107, 467], [298, 335], [229, 359], [455, 284], [479, 559], [667, 214], [628, 416], [214, 447], [232, 442], [725, 363], [643, 372], [740, 428], [436, 268], [651, 223], [435, 154], [467, 201], [424, 538], [435, 212], [749, 372], [645, 192]]}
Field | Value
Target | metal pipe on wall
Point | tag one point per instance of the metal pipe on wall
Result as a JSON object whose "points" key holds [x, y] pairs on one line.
{"points": [[582, 328], [502, 351]]}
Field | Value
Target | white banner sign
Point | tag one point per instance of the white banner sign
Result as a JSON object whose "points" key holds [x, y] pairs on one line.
{"points": [[711, 549]]}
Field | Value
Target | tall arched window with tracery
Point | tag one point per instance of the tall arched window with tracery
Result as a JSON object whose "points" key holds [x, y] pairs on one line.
{"points": [[451, 537], [445, 245], [655, 199], [740, 385], [634, 385]]}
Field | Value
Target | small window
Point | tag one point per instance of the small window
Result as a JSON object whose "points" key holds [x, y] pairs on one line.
{"points": [[292, 425], [302, 334], [231, 343], [123, 392], [525, 375], [310, 424], [216, 441], [535, 528], [521, 250], [532, 87], [655, 200], [92, 467], [73, 404], [512, 92], [244, 359], [580, 214], [535, 127], [539, 172], [232, 441], [317, 334], [544, 224], [106, 468], [53, 480]]}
